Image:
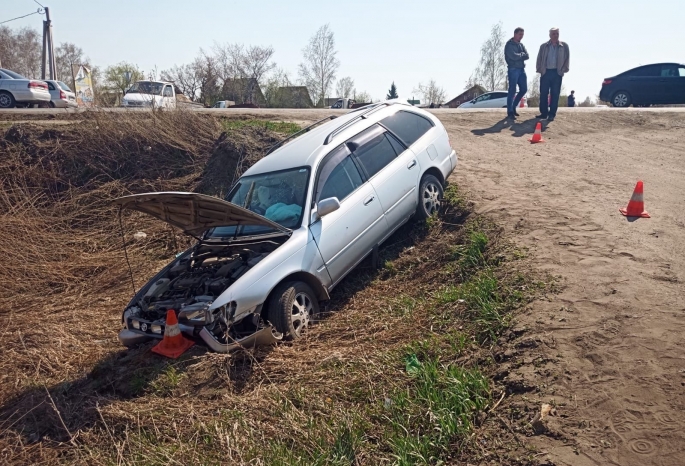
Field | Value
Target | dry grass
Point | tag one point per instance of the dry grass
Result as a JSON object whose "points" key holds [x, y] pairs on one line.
{"points": [[341, 395]]}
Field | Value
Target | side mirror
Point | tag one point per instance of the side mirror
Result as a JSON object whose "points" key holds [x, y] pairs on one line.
{"points": [[326, 206]]}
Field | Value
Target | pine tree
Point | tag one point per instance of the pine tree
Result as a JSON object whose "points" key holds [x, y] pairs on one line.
{"points": [[392, 93]]}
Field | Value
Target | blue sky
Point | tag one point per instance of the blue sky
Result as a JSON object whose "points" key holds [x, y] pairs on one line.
{"points": [[377, 41]]}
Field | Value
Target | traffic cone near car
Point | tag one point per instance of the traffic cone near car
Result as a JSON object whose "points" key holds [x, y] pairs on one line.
{"points": [[174, 344], [636, 205], [537, 136]]}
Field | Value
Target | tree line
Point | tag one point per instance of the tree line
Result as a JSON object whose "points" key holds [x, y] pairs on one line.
{"points": [[246, 74]]}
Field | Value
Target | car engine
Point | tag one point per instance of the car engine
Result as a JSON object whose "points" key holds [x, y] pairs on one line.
{"points": [[195, 280]]}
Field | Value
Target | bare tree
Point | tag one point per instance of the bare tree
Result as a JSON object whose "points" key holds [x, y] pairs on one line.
{"points": [[588, 102], [186, 77], [67, 55], [20, 51], [431, 92], [273, 89], [362, 97], [491, 72], [241, 69], [320, 63], [345, 87]]}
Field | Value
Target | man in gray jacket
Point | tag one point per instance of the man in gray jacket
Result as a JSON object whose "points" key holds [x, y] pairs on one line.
{"points": [[515, 54], [552, 64]]}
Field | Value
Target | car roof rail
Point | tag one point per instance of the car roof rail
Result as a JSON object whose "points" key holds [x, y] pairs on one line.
{"points": [[302, 131], [369, 109]]}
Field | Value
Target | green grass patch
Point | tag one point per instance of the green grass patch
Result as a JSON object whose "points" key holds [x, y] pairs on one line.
{"points": [[438, 407], [284, 127]]}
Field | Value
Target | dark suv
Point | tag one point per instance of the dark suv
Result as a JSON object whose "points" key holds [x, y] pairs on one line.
{"points": [[661, 83]]}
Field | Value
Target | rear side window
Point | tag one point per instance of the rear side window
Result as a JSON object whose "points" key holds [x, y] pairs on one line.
{"points": [[51, 86], [669, 71], [375, 153], [408, 126], [645, 72]]}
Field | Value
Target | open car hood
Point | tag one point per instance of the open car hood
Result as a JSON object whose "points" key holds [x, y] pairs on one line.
{"points": [[194, 213]]}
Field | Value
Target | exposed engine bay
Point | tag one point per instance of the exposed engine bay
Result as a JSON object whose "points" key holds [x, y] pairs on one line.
{"points": [[191, 283]]}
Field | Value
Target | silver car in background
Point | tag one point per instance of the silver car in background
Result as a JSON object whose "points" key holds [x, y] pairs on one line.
{"points": [[292, 227], [60, 95], [16, 90]]}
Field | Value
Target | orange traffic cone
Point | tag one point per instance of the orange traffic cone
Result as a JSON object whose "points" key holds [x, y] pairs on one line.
{"points": [[537, 136], [174, 344], [636, 205]]}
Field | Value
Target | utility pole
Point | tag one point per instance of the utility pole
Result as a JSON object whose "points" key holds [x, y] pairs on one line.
{"points": [[48, 64]]}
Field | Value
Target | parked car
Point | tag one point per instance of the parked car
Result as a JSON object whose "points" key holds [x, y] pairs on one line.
{"points": [[496, 99], [150, 94], [660, 83], [60, 95], [224, 104], [16, 90], [291, 228], [343, 103]]}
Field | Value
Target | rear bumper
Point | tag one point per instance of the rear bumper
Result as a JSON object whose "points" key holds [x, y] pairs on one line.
{"points": [[31, 96], [605, 95], [62, 103]]}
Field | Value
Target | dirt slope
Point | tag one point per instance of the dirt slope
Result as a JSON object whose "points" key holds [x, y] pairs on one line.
{"points": [[608, 350]]}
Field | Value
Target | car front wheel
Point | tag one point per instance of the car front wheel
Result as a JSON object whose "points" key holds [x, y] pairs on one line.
{"points": [[430, 197], [621, 99], [7, 100], [292, 309]]}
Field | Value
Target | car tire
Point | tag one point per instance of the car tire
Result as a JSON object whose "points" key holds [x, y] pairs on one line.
{"points": [[621, 99], [7, 100], [51, 104], [430, 197], [292, 308]]}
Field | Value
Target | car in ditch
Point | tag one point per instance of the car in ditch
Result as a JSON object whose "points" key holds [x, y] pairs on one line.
{"points": [[291, 228]]}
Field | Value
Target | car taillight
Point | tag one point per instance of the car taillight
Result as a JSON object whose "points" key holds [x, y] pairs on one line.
{"points": [[37, 85], [62, 95], [606, 82]]}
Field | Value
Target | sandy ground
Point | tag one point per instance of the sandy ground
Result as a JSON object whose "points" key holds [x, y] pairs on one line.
{"points": [[609, 349]]}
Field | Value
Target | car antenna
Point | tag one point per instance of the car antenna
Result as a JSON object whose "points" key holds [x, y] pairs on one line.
{"points": [[123, 240]]}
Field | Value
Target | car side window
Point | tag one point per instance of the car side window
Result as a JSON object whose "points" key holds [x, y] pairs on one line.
{"points": [[375, 153], [168, 92], [681, 71], [407, 126], [669, 71], [51, 86], [339, 175], [646, 72], [344, 179]]}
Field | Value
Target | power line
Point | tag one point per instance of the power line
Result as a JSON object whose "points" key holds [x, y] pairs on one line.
{"points": [[39, 4], [39, 11]]}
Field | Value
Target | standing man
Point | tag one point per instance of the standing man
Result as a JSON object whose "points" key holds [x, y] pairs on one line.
{"points": [[572, 99], [515, 54], [552, 64]]}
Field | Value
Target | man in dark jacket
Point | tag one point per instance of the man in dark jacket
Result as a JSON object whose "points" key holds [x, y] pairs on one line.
{"points": [[571, 100], [515, 54]]}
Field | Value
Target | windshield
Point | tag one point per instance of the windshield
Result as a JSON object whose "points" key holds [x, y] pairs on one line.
{"points": [[12, 74], [278, 196], [63, 86], [146, 87]]}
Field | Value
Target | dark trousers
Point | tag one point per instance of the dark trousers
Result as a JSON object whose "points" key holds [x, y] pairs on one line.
{"points": [[550, 82], [517, 76]]}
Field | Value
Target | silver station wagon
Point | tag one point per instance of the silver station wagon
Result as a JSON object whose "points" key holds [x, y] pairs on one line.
{"points": [[291, 228]]}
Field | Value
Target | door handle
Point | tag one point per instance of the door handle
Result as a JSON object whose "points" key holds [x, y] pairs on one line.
{"points": [[412, 164], [369, 200]]}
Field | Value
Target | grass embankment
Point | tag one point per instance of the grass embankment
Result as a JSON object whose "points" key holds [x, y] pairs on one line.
{"points": [[398, 370]]}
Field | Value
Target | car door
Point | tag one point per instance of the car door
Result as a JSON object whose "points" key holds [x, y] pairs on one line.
{"points": [[54, 92], [347, 235], [671, 87], [643, 84], [168, 97], [393, 171]]}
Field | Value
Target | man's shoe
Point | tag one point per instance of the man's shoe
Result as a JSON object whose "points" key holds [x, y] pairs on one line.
{"points": [[516, 114], [542, 117], [511, 116], [550, 118]]}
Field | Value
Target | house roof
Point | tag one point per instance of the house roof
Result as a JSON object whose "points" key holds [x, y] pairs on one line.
{"points": [[477, 87], [296, 96]]}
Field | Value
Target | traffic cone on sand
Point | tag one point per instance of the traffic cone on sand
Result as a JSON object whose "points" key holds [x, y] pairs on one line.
{"points": [[174, 344], [537, 136], [636, 205]]}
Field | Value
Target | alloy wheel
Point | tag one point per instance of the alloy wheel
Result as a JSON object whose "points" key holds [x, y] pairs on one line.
{"points": [[302, 312], [5, 101], [621, 100], [431, 198]]}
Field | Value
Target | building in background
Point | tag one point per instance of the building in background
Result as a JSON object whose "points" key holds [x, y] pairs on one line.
{"points": [[465, 96]]}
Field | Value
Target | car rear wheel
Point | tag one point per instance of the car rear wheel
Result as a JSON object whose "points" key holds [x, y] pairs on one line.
{"points": [[430, 197], [292, 309], [7, 100], [621, 99]]}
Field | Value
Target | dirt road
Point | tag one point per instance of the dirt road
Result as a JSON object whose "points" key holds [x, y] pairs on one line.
{"points": [[609, 349]]}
